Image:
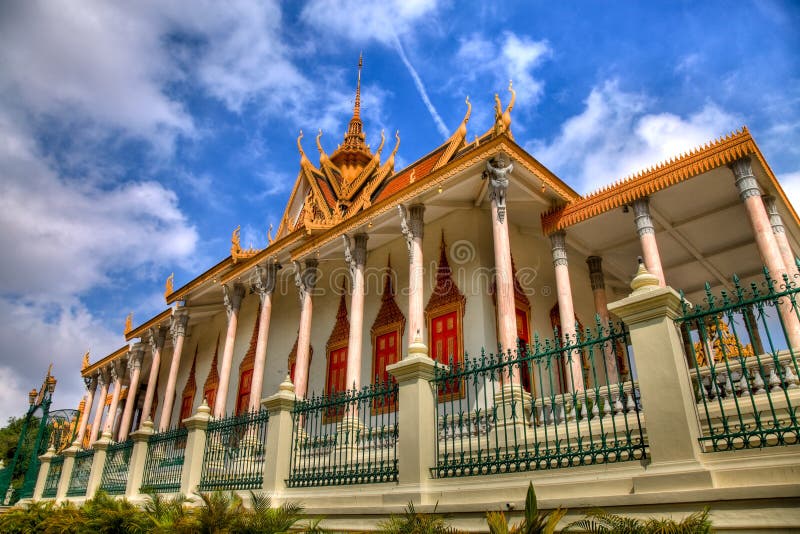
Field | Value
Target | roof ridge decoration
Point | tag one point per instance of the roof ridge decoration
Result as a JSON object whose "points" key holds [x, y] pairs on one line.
{"points": [[668, 172], [502, 119], [341, 328], [446, 290], [237, 252], [128, 323], [191, 382], [169, 286], [389, 312]]}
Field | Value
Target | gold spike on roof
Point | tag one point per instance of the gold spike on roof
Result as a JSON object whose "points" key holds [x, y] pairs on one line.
{"points": [[128, 323], [353, 154]]}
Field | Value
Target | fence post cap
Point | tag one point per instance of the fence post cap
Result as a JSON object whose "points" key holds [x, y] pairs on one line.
{"points": [[286, 385], [104, 441], [643, 281], [72, 450]]}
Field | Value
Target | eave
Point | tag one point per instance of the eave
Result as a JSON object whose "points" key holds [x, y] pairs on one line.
{"points": [[274, 248], [668, 173], [140, 330], [105, 361], [182, 292]]}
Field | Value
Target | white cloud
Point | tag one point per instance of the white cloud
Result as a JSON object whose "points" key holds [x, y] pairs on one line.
{"points": [[618, 133], [509, 57]]}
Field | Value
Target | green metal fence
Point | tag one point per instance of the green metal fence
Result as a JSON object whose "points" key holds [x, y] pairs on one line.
{"points": [[81, 470], [115, 471], [552, 404], [53, 477], [234, 453], [164, 462], [345, 438], [742, 347]]}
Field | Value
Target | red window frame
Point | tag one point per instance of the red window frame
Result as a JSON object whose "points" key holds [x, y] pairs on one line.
{"points": [[385, 352], [243, 393], [446, 341], [186, 408]]}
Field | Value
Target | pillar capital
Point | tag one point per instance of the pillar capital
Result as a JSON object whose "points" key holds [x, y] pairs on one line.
{"points": [[135, 356], [305, 278], [745, 179], [497, 170], [266, 278], [91, 383], [102, 377], [156, 336], [411, 224], [558, 244], [641, 216], [596, 272], [177, 327], [774, 217], [355, 252], [232, 297]]}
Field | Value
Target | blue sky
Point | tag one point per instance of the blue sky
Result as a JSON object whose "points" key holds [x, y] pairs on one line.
{"points": [[134, 137]]}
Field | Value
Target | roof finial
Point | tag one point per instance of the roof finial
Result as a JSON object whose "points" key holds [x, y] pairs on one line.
{"points": [[357, 106]]}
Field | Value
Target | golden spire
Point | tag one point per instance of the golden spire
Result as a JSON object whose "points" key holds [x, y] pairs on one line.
{"points": [[169, 286], [354, 138], [85, 362], [128, 323], [357, 105]]}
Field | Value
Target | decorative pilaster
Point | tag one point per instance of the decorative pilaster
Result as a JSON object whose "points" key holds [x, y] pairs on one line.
{"points": [[566, 309], [305, 280], [135, 357], [413, 228], [102, 382], [232, 298], [155, 338], [264, 286], [356, 259], [497, 171], [91, 387], [279, 443], [180, 318], [647, 238], [117, 372], [781, 238], [766, 242]]}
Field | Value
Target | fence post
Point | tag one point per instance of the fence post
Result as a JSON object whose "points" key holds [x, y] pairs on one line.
{"points": [[278, 447], [141, 440], [670, 413], [416, 445], [195, 448], [98, 464], [66, 471], [44, 470]]}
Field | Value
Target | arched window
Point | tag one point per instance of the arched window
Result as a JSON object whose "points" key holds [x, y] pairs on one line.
{"points": [[187, 398], [444, 314], [246, 370], [387, 334], [212, 380]]}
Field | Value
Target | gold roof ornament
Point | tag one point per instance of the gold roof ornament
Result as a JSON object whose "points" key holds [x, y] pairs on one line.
{"points": [[85, 362], [169, 286], [237, 252], [502, 119], [270, 239], [128, 323]]}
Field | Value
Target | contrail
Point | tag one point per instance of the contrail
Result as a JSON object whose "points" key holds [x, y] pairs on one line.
{"points": [[421, 88]]}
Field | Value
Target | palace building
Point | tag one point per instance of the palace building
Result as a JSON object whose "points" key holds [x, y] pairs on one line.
{"points": [[471, 323]]}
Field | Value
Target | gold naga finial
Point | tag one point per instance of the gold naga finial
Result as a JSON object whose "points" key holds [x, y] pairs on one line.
{"points": [[380, 146], [270, 239], [85, 362], [413, 176], [128, 323], [169, 285], [236, 243], [462, 128], [303, 159], [507, 112], [324, 160]]}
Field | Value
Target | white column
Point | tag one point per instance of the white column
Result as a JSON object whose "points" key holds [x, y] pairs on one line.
{"points": [[305, 279], [117, 376], [156, 338], [781, 239], [266, 276], [566, 310], [601, 309], [647, 238], [497, 171], [91, 387], [233, 297], [134, 370], [413, 228], [102, 381], [750, 194], [180, 318], [356, 259]]}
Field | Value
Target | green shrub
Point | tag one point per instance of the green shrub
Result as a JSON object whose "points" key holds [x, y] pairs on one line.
{"points": [[601, 521]]}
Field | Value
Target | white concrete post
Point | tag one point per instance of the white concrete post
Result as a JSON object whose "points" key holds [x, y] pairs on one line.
{"points": [[195, 448], [664, 383], [44, 469], [66, 472], [416, 445], [278, 447], [141, 440], [98, 464]]}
